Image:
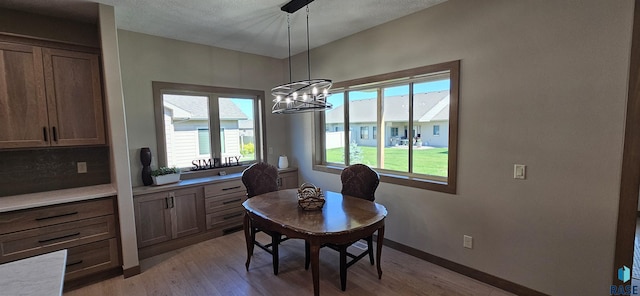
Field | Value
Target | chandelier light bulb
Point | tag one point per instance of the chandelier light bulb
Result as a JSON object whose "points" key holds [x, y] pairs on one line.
{"points": [[288, 100], [315, 91], [305, 97], [278, 98], [325, 91], [295, 95]]}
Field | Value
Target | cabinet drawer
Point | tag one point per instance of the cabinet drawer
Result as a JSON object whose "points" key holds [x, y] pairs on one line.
{"points": [[224, 188], [39, 217], [230, 216], [31, 242], [90, 258], [223, 202]]}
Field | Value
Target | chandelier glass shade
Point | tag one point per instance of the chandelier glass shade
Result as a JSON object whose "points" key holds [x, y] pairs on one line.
{"points": [[305, 95]]}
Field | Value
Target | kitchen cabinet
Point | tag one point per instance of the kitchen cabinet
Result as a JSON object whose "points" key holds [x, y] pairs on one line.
{"points": [[53, 97], [168, 215], [287, 179], [223, 205], [87, 229]]}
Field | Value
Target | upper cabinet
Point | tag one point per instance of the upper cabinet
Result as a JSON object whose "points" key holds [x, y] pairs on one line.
{"points": [[53, 97]]}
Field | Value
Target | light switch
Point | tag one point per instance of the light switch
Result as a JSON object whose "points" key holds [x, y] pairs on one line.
{"points": [[519, 171]]}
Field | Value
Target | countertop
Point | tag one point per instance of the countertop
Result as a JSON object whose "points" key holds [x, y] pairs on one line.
{"points": [[34, 276], [47, 198], [195, 182]]}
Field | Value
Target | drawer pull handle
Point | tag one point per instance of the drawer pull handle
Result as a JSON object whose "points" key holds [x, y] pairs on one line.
{"points": [[44, 132], [55, 135], [232, 216], [231, 201], [56, 216], [74, 263], [230, 188], [60, 237]]}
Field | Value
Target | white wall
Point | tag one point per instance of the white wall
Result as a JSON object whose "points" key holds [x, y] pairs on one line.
{"points": [[146, 58], [543, 83]]}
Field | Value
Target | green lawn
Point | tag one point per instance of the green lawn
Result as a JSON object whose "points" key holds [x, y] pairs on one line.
{"points": [[425, 161]]}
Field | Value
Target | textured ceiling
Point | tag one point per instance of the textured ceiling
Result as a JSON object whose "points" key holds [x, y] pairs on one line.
{"points": [[252, 26]]}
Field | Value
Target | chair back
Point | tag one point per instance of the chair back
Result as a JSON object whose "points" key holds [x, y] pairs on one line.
{"points": [[359, 180], [260, 178]]}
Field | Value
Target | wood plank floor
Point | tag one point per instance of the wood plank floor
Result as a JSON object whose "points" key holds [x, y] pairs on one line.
{"points": [[216, 267]]}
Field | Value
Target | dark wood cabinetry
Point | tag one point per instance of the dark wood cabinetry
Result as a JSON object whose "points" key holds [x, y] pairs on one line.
{"points": [[53, 97]]}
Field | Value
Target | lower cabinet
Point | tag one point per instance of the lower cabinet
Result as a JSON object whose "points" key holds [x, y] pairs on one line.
{"points": [[87, 229], [179, 216], [168, 215]]}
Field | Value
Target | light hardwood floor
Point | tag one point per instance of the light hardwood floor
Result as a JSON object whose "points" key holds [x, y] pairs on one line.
{"points": [[216, 267]]}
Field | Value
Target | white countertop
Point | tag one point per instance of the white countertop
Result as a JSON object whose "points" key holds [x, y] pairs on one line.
{"points": [[34, 276], [47, 198]]}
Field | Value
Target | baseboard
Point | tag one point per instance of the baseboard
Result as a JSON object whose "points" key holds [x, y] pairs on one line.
{"points": [[91, 279], [129, 272], [464, 270]]}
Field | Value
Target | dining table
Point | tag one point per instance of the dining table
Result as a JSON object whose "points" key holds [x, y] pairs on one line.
{"points": [[342, 220]]}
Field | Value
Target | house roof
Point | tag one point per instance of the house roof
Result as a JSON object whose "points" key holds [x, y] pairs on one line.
{"points": [[195, 107], [427, 107]]}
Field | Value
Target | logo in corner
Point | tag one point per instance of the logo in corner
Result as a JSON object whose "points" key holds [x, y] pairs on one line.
{"points": [[624, 274]]}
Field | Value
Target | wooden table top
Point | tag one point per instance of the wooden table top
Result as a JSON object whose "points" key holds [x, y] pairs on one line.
{"points": [[340, 214]]}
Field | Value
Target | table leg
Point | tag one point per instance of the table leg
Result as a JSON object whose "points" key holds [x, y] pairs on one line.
{"points": [[379, 249], [248, 239], [314, 249]]}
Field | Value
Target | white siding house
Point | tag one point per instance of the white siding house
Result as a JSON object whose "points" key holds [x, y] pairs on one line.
{"points": [[430, 114]]}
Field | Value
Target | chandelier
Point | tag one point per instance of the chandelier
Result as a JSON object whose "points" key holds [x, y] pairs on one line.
{"points": [[305, 95]]}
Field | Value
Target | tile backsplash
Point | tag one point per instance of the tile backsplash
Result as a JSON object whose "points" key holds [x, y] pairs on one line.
{"points": [[37, 170]]}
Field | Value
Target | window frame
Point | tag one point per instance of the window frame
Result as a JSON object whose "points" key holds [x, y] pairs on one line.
{"points": [[441, 184], [162, 88]]}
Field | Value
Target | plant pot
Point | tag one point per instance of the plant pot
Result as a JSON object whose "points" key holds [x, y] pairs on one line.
{"points": [[165, 179]]}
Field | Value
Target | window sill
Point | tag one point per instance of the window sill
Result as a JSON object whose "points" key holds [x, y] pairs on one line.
{"points": [[402, 180]]}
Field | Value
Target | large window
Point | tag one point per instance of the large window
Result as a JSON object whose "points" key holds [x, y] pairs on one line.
{"points": [[399, 106], [199, 123]]}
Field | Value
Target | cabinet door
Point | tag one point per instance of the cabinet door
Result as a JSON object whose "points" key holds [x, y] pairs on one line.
{"points": [[153, 218], [23, 111], [288, 180], [74, 97], [187, 211]]}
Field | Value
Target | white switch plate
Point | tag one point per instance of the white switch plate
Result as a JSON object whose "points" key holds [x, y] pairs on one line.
{"points": [[467, 242], [270, 150], [519, 171], [82, 167]]}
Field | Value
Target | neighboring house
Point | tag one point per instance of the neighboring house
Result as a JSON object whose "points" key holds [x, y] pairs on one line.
{"points": [[430, 114], [186, 124]]}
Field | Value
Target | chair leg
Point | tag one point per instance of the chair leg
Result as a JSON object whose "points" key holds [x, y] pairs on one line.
{"points": [[275, 241], [343, 268], [370, 248], [307, 257]]}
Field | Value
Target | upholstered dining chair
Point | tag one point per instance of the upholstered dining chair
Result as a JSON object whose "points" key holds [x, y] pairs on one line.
{"points": [[260, 178], [358, 180]]}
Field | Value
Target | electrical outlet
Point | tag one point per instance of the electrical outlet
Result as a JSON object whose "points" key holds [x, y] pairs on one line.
{"points": [[82, 167], [467, 242], [270, 150]]}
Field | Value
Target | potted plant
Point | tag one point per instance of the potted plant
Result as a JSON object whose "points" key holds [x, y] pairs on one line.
{"points": [[165, 175]]}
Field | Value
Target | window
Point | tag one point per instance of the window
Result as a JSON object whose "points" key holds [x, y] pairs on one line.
{"points": [[364, 132], [394, 131], [398, 106], [187, 116]]}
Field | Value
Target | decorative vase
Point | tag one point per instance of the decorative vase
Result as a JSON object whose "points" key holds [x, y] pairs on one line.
{"points": [[283, 162], [145, 158]]}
